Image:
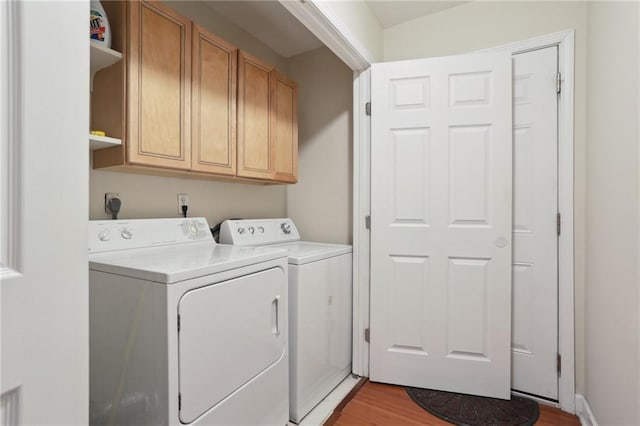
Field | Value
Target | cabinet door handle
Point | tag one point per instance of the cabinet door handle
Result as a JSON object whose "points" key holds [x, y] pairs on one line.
{"points": [[275, 315]]}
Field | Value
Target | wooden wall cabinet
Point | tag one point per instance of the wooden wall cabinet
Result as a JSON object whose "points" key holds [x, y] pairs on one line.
{"points": [[254, 147], [284, 127], [159, 92], [267, 122], [184, 100], [213, 93]]}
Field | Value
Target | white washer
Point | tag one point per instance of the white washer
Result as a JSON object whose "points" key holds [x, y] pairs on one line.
{"points": [[320, 309], [183, 330]]}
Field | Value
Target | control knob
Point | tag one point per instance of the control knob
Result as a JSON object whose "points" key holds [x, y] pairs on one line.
{"points": [[126, 234], [104, 235], [241, 231], [251, 230], [193, 229], [261, 229], [286, 227]]}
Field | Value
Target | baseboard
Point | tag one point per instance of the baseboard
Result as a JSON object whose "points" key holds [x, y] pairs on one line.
{"points": [[338, 410], [583, 411]]}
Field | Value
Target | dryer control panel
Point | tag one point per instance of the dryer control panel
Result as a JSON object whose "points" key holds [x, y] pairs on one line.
{"points": [[257, 232], [109, 235]]}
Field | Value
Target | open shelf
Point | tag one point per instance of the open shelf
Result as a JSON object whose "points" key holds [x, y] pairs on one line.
{"points": [[102, 57], [99, 142]]}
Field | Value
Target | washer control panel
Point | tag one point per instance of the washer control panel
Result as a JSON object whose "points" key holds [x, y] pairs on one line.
{"points": [[256, 232], [108, 235]]}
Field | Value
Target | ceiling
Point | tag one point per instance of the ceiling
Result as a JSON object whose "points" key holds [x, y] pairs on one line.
{"points": [[391, 13], [271, 23]]}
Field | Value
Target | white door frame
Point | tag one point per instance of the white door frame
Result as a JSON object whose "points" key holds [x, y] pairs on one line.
{"points": [[341, 41]]}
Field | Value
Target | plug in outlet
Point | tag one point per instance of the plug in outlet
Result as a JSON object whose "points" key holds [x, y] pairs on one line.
{"points": [[183, 200], [107, 197]]}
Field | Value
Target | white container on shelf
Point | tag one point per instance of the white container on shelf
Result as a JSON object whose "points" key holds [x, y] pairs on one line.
{"points": [[100, 30]]}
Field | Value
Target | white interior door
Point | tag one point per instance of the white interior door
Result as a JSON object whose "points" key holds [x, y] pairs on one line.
{"points": [[441, 207], [44, 125], [535, 237]]}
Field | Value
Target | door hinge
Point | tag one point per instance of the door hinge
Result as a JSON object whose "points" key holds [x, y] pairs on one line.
{"points": [[367, 108], [559, 364], [366, 335], [559, 223], [558, 82], [178, 323], [179, 401], [367, 222]]}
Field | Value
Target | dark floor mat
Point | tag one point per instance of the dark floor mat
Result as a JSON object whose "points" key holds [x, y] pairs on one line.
{"points": [[469, 410]]}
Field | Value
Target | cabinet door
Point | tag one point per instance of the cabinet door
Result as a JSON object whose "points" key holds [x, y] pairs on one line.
{"points": [[159, 73], [213, 101], [254, 147], [284, 127]]}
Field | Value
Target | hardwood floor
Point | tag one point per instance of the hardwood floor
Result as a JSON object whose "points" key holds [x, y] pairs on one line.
{"points": [[384, 405]]}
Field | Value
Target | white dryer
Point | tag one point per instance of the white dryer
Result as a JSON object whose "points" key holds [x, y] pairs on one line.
{"points": [[183, 330], [320, 307]]}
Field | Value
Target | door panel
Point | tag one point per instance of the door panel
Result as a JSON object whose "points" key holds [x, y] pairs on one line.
{"points": [[467, 314], [469, 175], [229, 333], [410, 296], [535, 240], [411, 169], [441, 223]]}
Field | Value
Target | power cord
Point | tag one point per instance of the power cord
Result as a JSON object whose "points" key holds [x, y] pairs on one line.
{"points": [[113, 205], [215, 230], [184, 210]]}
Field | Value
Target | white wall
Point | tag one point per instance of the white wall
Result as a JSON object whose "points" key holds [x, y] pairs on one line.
{"points": [[154, 196], [321, 202], [613, 214], [479, 25], [45, 338]]}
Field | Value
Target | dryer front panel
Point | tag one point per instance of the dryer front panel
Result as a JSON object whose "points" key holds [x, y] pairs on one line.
{"points": [[229, 333]]}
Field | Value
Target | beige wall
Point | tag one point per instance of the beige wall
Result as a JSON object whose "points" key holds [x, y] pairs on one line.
{"points": [[153, 196], [613, 215], [358, 23], [321, 202], [480, 25]]}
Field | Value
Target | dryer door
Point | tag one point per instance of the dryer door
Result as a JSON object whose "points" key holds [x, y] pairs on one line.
{"points": [[230, 332]]}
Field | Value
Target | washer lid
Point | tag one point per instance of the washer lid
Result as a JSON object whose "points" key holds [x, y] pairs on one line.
{"points": [[171, 264], [302, 252]]}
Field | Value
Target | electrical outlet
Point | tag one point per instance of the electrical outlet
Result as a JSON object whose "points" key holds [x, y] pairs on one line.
{"points": [[183, 200], [108, 196]]}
